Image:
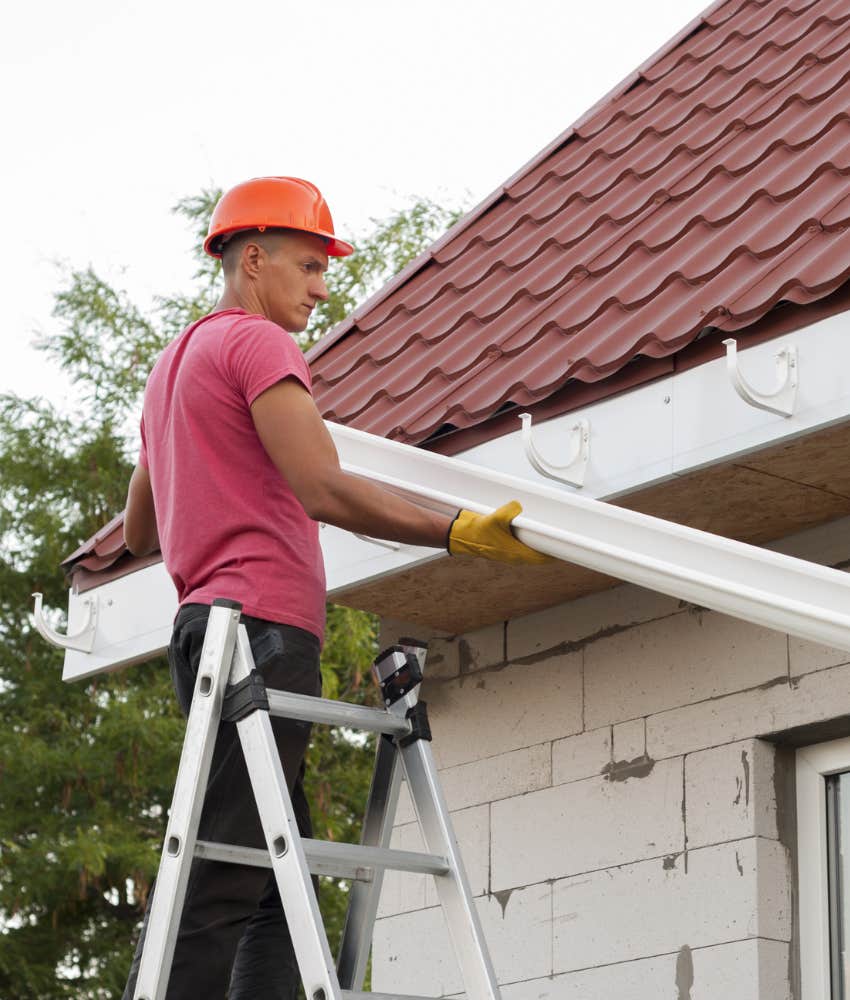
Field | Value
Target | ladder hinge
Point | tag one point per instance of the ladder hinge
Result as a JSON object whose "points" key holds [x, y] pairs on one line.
{"points": [[245, 697], [421, 730]]}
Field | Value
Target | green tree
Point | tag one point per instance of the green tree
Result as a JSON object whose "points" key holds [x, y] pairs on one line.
{"points": [[87, 769]]}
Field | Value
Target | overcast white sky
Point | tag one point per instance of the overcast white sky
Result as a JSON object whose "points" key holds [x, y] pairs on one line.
{"points": [[112, 111]]}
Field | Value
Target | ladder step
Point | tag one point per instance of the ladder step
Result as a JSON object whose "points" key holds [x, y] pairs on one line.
{"points": [[335, 713], [352, 861]]}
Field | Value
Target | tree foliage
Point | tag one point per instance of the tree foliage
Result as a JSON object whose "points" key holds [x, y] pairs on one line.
{"points": [[87, 769]]}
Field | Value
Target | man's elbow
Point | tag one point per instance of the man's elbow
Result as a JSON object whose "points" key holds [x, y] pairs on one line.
{"points": [[139, 539], [316, 506], [320, 498]]}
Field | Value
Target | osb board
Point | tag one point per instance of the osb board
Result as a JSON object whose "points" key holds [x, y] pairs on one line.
{"points": [[821, 460], [460, 594], [758, 498]]}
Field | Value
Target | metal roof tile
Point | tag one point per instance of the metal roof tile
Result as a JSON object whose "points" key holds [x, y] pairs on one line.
{"points": [[713, 184]]}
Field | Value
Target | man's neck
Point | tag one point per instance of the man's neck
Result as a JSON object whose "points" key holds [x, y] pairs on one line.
{"points": [[232, 299]]}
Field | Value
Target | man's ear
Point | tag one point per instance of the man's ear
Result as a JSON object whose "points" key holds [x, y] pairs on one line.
{"points": [[252, 259]]}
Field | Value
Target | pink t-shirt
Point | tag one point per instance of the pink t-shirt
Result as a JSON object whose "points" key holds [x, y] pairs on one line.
{"points": [[229, 525]]}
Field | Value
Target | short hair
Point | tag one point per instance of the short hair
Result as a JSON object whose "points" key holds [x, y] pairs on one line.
{"points": [[231, 246]]}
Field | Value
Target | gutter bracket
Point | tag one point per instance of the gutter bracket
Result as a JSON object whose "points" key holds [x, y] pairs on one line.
{"points": [[384, 543], [82, 639], [574, 471], [783, 398]]}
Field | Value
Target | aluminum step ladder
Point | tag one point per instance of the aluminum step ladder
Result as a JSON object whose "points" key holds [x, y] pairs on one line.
{"points": [[229, 689]]}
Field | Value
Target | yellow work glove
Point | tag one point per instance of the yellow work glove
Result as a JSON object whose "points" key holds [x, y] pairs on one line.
{"points": [[489, 536]]}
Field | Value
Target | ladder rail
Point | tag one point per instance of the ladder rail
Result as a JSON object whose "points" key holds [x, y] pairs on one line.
{"points": [[363, 899], [226, 656], [283, 840], [187, 803], [465, 931]]}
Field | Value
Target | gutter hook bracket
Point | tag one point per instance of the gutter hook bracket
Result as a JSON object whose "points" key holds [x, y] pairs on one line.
{"points": [[82, 639], [384, 543], [575, 469], [783, 398], [392, 546]]}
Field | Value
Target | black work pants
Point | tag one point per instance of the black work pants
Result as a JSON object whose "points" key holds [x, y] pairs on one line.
{"points": [[233, 940]]}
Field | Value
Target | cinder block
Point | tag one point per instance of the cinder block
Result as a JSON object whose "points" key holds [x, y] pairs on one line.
{"points": [[390, 630], [403, 891], [827, 544], [587, 825], [499, 777], [730, 793], [582, 620], [412, 952], [581, 756], [758, 712], [682, 659], [494, 712], [731, 891], [443, 659], [517, 926], [629, 740], [472, 829], [485, 647], [746, 970], [743, 970], [488, 780], [405, 812], [806, 657]]}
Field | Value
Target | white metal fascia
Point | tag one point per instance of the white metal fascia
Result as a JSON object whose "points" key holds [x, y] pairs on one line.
{"points": [[758, 585], [755, 584], [653, 433]]}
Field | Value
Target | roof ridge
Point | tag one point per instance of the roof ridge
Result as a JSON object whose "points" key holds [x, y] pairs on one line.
{"points": [[690, 57], [340, 330], [627, 116]]}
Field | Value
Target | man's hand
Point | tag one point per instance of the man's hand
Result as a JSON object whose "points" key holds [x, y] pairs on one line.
{"points": [[490, 537]]}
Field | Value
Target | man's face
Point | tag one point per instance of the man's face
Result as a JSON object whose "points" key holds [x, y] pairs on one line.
{"points": [[292, 281]]}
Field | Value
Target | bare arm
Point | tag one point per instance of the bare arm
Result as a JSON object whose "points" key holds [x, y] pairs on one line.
{"points": [[140, 531], [295, 437]]}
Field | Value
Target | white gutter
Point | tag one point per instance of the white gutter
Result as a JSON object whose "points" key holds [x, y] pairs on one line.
{"points": [[767, 588], [650, 435], [132, 615]]}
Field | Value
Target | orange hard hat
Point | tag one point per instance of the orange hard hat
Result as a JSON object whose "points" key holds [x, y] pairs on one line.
{"points": [[273, 202]]}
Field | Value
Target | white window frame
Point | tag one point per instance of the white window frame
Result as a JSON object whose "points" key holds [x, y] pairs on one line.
{"points": [[814, 765]]}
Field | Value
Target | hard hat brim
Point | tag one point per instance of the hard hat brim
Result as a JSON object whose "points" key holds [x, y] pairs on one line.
{"points": [[334, 245]]}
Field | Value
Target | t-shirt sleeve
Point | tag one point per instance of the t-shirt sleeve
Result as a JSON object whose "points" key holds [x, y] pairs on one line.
{"points": [[256, 354], [143, 449]]}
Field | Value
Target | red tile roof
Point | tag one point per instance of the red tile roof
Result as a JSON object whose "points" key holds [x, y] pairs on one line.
{"points": [[712, 185]]}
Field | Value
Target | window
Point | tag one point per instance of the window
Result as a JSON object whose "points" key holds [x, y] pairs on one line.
{"points": [[823, 832]]}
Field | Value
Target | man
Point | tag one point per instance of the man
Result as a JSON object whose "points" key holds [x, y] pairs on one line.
{"points": [[235, 473]]}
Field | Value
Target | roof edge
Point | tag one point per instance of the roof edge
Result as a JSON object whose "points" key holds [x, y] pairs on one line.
{"points": [[334, 335]]}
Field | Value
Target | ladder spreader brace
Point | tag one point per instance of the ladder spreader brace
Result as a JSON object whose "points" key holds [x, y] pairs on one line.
{"points": [[228, 688]]}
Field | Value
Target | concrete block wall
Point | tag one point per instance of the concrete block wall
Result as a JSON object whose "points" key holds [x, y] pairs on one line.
{"points": [[617, 777]]}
